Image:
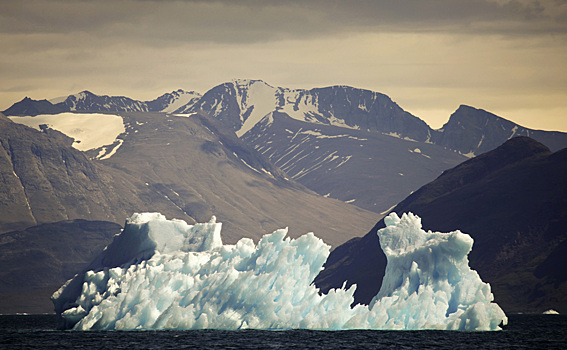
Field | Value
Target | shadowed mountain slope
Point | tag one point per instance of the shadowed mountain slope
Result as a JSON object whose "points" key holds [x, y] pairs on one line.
{"points": [[512, 201], [37, 261]]}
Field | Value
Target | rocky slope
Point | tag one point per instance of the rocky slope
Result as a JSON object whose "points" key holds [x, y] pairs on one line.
{"points": [[203, 169], [187, 168], [44, 179], [368, 169]]}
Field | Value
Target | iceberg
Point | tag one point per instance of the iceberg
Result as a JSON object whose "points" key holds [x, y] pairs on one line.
{"points": [[166, 274]]}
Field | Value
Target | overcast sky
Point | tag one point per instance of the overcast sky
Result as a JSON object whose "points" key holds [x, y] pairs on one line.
{"points": [[505, 56]]}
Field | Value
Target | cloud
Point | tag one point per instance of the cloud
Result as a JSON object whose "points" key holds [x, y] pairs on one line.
{"points": [[168, 22], [427, 55]]}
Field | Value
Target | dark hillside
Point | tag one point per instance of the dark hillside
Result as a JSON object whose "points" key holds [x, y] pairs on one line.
{"points": [[512, 201]]}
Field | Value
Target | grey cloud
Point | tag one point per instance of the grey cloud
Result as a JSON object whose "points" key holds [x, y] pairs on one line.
{"points": [[169, 22]]}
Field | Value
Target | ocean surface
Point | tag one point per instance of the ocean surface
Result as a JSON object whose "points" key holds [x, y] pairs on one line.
{"points": [[522, 332]]}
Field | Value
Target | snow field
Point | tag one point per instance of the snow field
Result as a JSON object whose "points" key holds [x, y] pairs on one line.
{"points": [[90, 130]]}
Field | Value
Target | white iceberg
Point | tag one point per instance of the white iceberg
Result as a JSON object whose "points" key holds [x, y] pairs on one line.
{"points": [[166, 274], [551, 312]]}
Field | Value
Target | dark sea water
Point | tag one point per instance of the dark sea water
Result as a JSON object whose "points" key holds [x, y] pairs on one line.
{"points": [[522, 332]]}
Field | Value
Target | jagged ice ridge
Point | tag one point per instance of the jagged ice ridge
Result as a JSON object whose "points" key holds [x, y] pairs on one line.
{"points": [[166, 274]]}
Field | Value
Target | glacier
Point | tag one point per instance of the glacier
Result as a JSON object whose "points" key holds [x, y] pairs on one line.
{"points": [[167, 274]]}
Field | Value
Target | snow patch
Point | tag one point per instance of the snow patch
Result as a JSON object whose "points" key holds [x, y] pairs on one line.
{"points": [[112, 152], [387, 210], [90, 130], [259, 96], [180, 99]]}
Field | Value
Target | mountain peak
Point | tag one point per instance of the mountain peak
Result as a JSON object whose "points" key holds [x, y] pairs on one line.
{"points": [[472, 131], [248, 82], [474, 117], [28, 106]]}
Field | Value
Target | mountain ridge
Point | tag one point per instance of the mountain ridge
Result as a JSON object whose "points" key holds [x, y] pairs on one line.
{"points": [[241, 103], [473, 131]]}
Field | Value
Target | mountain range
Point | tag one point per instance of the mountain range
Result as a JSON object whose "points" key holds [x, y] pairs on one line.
{"points": [[511, 200], [331, 160], [321, 136]]}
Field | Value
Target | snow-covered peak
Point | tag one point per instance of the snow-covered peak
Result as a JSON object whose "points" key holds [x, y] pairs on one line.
{"points": [[255, 99], [242, 103], [180, 98], [82, 95], [245, 83]]}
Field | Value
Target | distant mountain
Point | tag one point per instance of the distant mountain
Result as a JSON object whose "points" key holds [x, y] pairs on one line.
{"points": [[368, 169], [171, 102], [512, 201], [241, 104], [86, 101], [27, 106], [346, 143], [339, 141], [350, 144], [474, 131]]}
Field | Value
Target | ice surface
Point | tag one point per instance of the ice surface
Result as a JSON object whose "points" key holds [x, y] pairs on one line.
{"points": [[162, 274]]}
